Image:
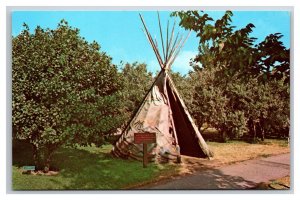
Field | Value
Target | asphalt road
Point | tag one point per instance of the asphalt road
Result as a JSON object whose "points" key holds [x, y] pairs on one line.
{"points": [[243, 175]]}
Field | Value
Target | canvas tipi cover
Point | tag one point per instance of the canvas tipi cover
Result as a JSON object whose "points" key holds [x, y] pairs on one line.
{"points": [[163, 112]]}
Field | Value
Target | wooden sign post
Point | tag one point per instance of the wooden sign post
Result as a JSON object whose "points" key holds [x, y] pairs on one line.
{"points": [[145, 138], [145, 155]]}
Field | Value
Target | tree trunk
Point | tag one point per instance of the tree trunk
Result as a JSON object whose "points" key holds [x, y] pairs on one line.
{"points": [[224, 136], [261, 129], [35, 156], [42, 157], [254, 133], [47, 163], [50, 150], [262, 133]]}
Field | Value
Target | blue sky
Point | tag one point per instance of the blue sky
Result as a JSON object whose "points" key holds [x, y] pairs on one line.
{"points": [[119, 32]]}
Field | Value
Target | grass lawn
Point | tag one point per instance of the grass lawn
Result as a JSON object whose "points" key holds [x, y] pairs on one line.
{"points": [[92, 168], [86, 168]]}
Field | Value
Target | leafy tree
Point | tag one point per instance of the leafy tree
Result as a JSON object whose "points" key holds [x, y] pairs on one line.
{"points": [[65, 91], [273, 58], [218, 41], [239, 86], [269, 106], [221, 44]]}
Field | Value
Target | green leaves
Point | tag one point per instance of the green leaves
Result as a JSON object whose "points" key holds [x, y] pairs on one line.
{"points": [[236, 81], [221, 45], [273, 57], [65, 90], [229, 103]]}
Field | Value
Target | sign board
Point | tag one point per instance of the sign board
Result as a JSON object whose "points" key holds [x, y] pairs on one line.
{"points": [[29, 168], [144, 138]]}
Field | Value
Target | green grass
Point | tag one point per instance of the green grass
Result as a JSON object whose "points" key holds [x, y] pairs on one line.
{"points": [[85, 168], [92, 168]]}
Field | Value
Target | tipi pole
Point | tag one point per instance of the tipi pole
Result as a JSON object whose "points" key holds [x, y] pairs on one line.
{"points": [[161, 36], [167, 50], [173, 46], [170, 41], [179, 49], [175, 49], [152, 43]]}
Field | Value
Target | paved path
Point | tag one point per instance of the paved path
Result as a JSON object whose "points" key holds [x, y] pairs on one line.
{"points": [[242, 175]]}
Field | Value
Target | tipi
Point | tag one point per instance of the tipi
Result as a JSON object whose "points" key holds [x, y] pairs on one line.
{"points": [[164, 113]]}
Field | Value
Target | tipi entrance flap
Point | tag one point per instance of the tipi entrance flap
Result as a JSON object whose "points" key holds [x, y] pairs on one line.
{"points": [[187, 139]]}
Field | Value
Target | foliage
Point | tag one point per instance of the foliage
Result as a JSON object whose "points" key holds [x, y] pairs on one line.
{"points": [[65, 91], [221, 44], [136, 83], [273, 57], [240, 86]]}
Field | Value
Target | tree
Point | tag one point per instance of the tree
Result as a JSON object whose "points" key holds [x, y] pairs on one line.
{"points": [[221, 45], [273, 58], [65, 91], [235, 80]]}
